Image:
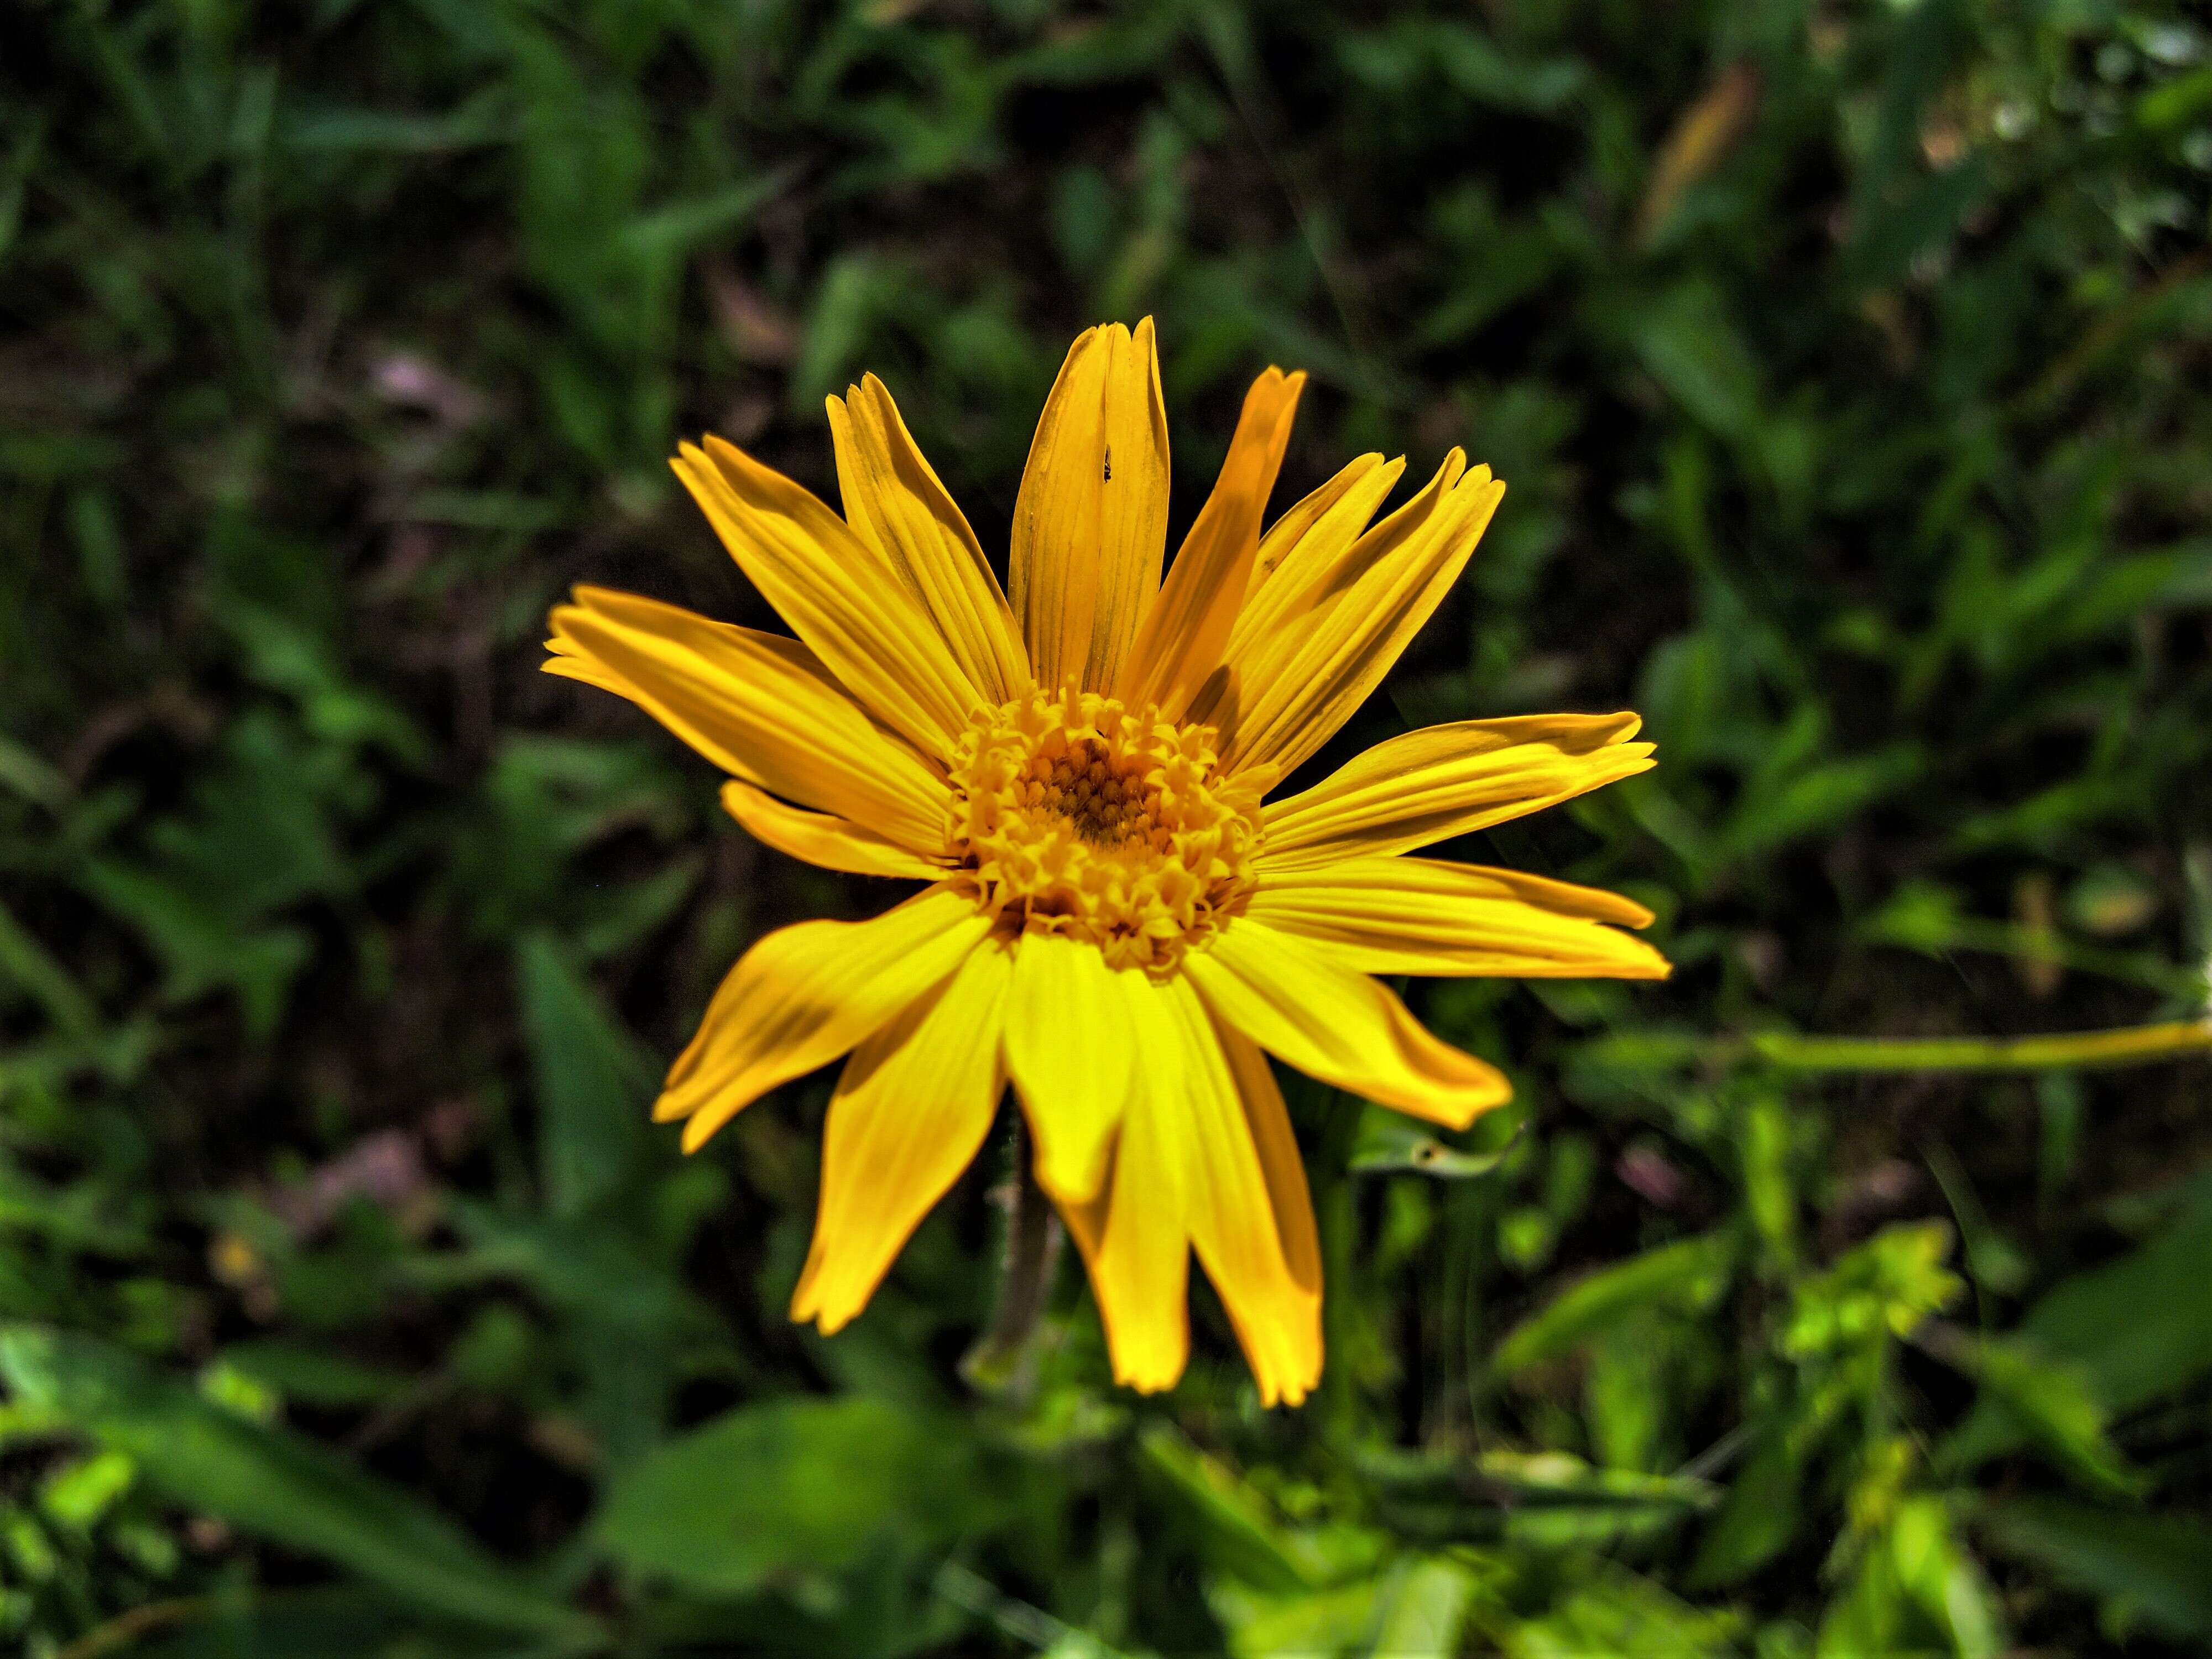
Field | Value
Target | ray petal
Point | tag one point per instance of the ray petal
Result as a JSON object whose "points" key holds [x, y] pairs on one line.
{"points": [[1407, 916], [1445, 780], [761, 707], [840, 594], [1134, 1236], [1304, 546], [1289, 996], [913, 1106], [1331, 635], [823, 838], [1250, 1219], [895, 502], [1187, 628], [808, 994], [1090, 521], [1069, 1041]]}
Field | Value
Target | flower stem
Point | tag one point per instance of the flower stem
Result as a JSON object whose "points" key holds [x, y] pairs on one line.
{"points": [[2129, 1045], [1002, 1360]]}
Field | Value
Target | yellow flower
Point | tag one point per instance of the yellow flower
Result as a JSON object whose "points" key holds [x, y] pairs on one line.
{"points": [[1114, 920]]}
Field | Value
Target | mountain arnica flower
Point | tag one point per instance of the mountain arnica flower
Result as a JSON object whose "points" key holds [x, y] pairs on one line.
{"points": [[1115, 919]]}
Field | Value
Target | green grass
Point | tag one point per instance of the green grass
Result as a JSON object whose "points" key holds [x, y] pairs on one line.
{"points": [[1848, 365]]}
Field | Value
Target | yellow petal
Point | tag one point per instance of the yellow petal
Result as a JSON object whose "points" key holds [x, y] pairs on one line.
{"points": [[1303, 547], [1134, 1236], [1332, 638], [1070, 1035], [1337, 1025], [1445, 780], [914, 1103], [1205, 1158], [1091, 522], [759, 707], [1284, 1165], [806, 994], [840, 594], [895, 502], [821, 838], [1265, 1264], [1404, 915], [1187, 628]]}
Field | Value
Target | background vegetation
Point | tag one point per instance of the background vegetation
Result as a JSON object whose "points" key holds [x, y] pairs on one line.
{"points": [[1851, 366]]}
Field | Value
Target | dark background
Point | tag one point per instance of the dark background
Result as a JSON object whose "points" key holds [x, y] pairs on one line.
{"points": [[1849, 367]]}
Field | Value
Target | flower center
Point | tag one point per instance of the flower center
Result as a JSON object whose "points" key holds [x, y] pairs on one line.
{"points": [[1078, 816]]}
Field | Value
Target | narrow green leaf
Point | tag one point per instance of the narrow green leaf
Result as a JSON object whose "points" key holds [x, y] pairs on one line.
{"points": [[2133, 1330], [593, 1081], [2153, 1568], [1389, 1143], [2170, 107], [677, 227], [272, 1483], [1757, 1520], [27, 962], [1548, 1500], [1612, 1611], [335, 1622], [2051, 1401], [1243, 1535], [1688, 1272], [1424, 1603]]}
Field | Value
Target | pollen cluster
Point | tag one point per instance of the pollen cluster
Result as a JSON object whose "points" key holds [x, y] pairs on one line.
{"points": [[1079, 816]]}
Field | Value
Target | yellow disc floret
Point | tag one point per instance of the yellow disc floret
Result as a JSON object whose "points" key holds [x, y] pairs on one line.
{"points": [[1076, 814]]}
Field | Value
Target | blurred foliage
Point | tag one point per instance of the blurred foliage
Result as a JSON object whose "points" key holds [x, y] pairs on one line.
{"points": [[1849, 361]]}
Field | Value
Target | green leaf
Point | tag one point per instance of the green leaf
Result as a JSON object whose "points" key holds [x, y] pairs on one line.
{"points": [[336, 130], [32, 777], [2051, 1401], [338, 1622], [1266, 1623], [1554, 1501], [297, 1372], [1688, 1273], [25, 961], [1628, 1398], [200, 950], [677, 227], [593, 1081], [790, 1485], [1389, 1142], [587, 1269], [1424, 1603], [2156, 1569], [1916, 1587], [2133, 1331], [77, 1494], [2173, 106], [1818, 797], [1614, 1611], [1689, 343], [1943, 1577], [1243, 1535], [272, 1483], [1757, 1520], [1770, 1194], [1548, 1500]]}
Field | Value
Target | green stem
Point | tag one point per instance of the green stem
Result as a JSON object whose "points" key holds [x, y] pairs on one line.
{"points": [[124, 1630], [1001, 1363], [2131, 1045]]}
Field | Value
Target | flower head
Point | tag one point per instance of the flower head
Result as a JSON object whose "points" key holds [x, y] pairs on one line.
{"points": [[1116, 920]]}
